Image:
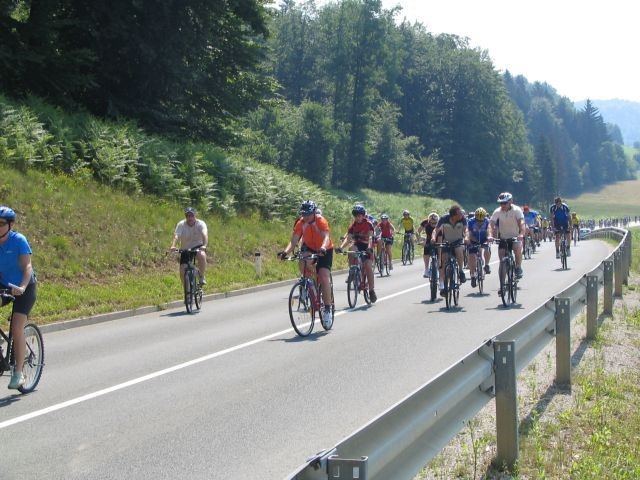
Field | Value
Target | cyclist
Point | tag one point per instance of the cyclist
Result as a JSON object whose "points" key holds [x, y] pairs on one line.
{"points": [[387, 230], [428, 225], [507, 221], [407, 223], [575, 226], [477, 234], [360, 234], [545, 228], [452, 228], [559, 213], [313, 229], [532, 224], [17, 275], [191, 232]]}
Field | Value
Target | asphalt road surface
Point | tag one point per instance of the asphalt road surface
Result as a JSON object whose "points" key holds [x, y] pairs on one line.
{"points": [[232, 393]]}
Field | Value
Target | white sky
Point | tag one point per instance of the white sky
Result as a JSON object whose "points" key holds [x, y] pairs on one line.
{"points": [[584, 49]]}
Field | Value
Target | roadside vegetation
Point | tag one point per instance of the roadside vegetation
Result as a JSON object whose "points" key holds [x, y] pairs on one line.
{"points": [[588, 432], [615, 200]]}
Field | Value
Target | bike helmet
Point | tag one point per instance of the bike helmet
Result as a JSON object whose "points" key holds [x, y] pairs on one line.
{"points": [[384, 216], [573, 214], [505, 197], [358, 210], [308, 207], [434, 216], [480, 213], [406, 212], [8, 214], [189, 210]]}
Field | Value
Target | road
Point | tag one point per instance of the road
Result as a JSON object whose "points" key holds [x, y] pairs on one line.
{"points": [[233, 393]]}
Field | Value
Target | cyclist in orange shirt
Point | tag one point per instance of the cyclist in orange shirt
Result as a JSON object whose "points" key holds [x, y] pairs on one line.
{"points": [[313, 229]]}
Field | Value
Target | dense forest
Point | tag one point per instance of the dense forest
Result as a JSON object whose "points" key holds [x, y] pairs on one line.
{"points": [[342, 95]]}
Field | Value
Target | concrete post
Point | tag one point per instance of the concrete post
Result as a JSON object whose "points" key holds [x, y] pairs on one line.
{"points": [[608, 287], [592, 306], [563, 341], [617, 273], [506, 404]]}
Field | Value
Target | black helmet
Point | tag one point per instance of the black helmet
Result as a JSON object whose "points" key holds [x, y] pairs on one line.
{"points": [[308, 207], [358, 210], [505, 197], [189, 210], [8, 214]]}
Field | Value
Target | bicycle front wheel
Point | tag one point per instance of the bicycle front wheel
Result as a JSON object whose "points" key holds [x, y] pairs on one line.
{"points": [[448, 285], [380, 262], [503, 272], [412, 253], [563, 255], [386, 263], [405, 253], [455, 286], [352, 288], [433, 282], [301, 311], [34, 358], [198, 297], [189, 290]]}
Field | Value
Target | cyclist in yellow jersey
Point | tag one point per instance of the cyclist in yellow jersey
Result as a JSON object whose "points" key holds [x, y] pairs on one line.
{"points": [[406, 223], [575, 226]]}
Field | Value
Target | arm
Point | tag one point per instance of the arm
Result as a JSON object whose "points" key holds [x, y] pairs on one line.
{"points": [[27, 272]]}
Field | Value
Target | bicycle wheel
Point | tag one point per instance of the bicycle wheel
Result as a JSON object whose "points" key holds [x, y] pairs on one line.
{"points": [[448, 285], [386, 264], [504, 294], [198, 297], [327, 325], [380, 262], [456, 285], [301, 311], [480, 273], [563, 254], [433, 281], [352, 287], [365, 288], [34, 358], [188, 293], [412, 253], [513, 282], [405, 253]]}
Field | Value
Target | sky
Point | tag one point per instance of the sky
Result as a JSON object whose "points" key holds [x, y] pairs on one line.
{"points": [[583, 49]]}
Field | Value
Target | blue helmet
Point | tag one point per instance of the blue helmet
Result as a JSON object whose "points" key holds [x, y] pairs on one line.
{"points": [[8, 214], [358, 210]]}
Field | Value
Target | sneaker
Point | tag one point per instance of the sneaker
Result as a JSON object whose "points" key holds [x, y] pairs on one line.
{"points": [[203, 281], [473, 282], [17, 380], [487, 269], [443, 292], [557, 254], [327, 318], [518, 272], [462, 277], [372, 296], [426, 273]]}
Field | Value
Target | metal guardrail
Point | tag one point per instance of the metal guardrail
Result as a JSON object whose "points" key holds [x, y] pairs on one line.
{"points": [[399, 442]]}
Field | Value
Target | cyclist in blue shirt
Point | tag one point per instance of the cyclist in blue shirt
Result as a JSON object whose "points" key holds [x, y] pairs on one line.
{"points": [[532, 223], [16, 274], [560, 215], [477, 234]]}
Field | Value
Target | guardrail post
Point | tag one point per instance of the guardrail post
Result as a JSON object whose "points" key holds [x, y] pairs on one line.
{"points": [[506, 404], [592, 306], [563, 341], [608, 287], [617, 273], [258, 263]]}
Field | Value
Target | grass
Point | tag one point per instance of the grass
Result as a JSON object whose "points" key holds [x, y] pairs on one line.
{"points": [[615, 200]]}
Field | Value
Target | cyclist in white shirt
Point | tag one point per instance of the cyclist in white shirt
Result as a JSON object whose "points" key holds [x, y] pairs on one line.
{"points": [[191, 232], [507, 222]]}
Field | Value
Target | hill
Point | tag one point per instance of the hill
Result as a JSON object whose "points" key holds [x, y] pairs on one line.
{"points": [[624, 113]]}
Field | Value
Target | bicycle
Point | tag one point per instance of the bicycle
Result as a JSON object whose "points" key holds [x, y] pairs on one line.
{"points": [[357, 280], [305, 299], [507, 272], [433, 277], [528, 250], [408, 249], [451, 276], [383, 261], [191, 280], [34, 353], [563, 250], [480, 274]]}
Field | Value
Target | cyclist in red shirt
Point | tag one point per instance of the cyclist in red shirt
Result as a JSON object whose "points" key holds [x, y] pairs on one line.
{"points": [[387, 230], [313, 229], [360, 234]]}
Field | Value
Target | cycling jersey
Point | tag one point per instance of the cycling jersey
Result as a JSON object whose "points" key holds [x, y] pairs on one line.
{"points": [[575, 221], [312, 233], [559, 214], [385, 229], [428, 230], [360, 231], [545, 223], [507, 222], [452, 233], [407, 224], [530, 218], [15, 246], [478, 230]]}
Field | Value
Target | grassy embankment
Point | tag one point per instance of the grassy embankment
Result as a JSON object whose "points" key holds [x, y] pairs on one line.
{"points": [[97, 250], [615, 200]]}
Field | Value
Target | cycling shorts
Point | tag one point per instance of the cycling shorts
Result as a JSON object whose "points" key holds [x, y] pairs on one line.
{"points": [[475, 247], [362, 247], [324, 261], [429, 249], [24, 303], [185, 257], [506, 243], [562, 228], [387, 240]]}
